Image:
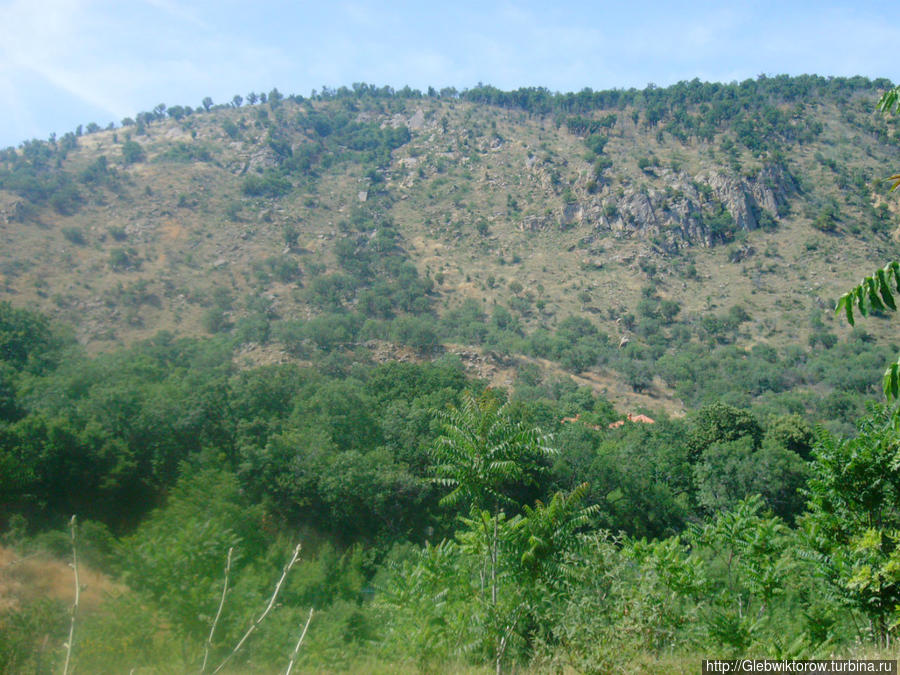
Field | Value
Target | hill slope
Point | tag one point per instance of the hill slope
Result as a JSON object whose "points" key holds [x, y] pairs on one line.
{"points": [[698, 216]]}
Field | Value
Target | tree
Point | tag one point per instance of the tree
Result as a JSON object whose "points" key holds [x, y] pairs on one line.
{"points": [[545, 536], [720, 422], [482, 451], [291, 234], [853, 520], [549, 529], [207, 103], [728, 471], [754, 548], [27, 341], [176, 112], [176, 553], [791, 432], [637, 375], [480, 455], [132, 152]]}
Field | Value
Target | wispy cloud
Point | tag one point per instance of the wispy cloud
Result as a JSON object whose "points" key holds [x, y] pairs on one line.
{"points": [[47, 40]]}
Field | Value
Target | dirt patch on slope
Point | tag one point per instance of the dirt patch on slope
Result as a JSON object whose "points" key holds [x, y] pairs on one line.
{"points": [[171, 230], [25, 578], [499, 371]]}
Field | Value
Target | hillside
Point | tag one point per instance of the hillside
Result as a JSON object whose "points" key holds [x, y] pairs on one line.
{"points": [[700, 214], [543, 382]]}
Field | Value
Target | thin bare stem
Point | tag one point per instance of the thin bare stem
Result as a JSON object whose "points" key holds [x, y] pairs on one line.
{"points": [[501, 646], [237, 647], [218, 612], [299, 642], [74, 612]]}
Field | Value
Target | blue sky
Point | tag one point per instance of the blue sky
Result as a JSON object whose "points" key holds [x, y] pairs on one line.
{"points": [[70, 62]]}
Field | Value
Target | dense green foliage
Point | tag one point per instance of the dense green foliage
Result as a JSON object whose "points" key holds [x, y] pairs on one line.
{"points": [[438, 526]]}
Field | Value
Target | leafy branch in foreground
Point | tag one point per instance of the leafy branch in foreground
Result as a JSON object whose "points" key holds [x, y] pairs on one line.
{"points": [[876, 293], [888, 103]]}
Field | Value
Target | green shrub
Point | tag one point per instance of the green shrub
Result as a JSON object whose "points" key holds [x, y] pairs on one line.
{"points": [[186, 153], [132, 152], [269, 184], [215, 321], [123, 258], [26, 631], [230, 128], [74, 235], [118, 233]]}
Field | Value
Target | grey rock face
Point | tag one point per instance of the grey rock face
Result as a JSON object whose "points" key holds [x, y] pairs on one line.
{"points": [[734, 193], [417, 121], [678, 214], [572, 215]]}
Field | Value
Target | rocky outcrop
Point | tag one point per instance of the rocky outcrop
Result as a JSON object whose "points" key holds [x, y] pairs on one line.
{"points": [[16, 212], [417, 121], [535, 223], [673, 216], [259, 159], [734, 195], [395, 122], [684, 210], [772, 187], [572, 215], [744, 198]]}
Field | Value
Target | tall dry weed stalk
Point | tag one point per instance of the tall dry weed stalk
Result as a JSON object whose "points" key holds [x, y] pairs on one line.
{"points": [[215, 622], [294, 558], [74, 612], [299, 642]]}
